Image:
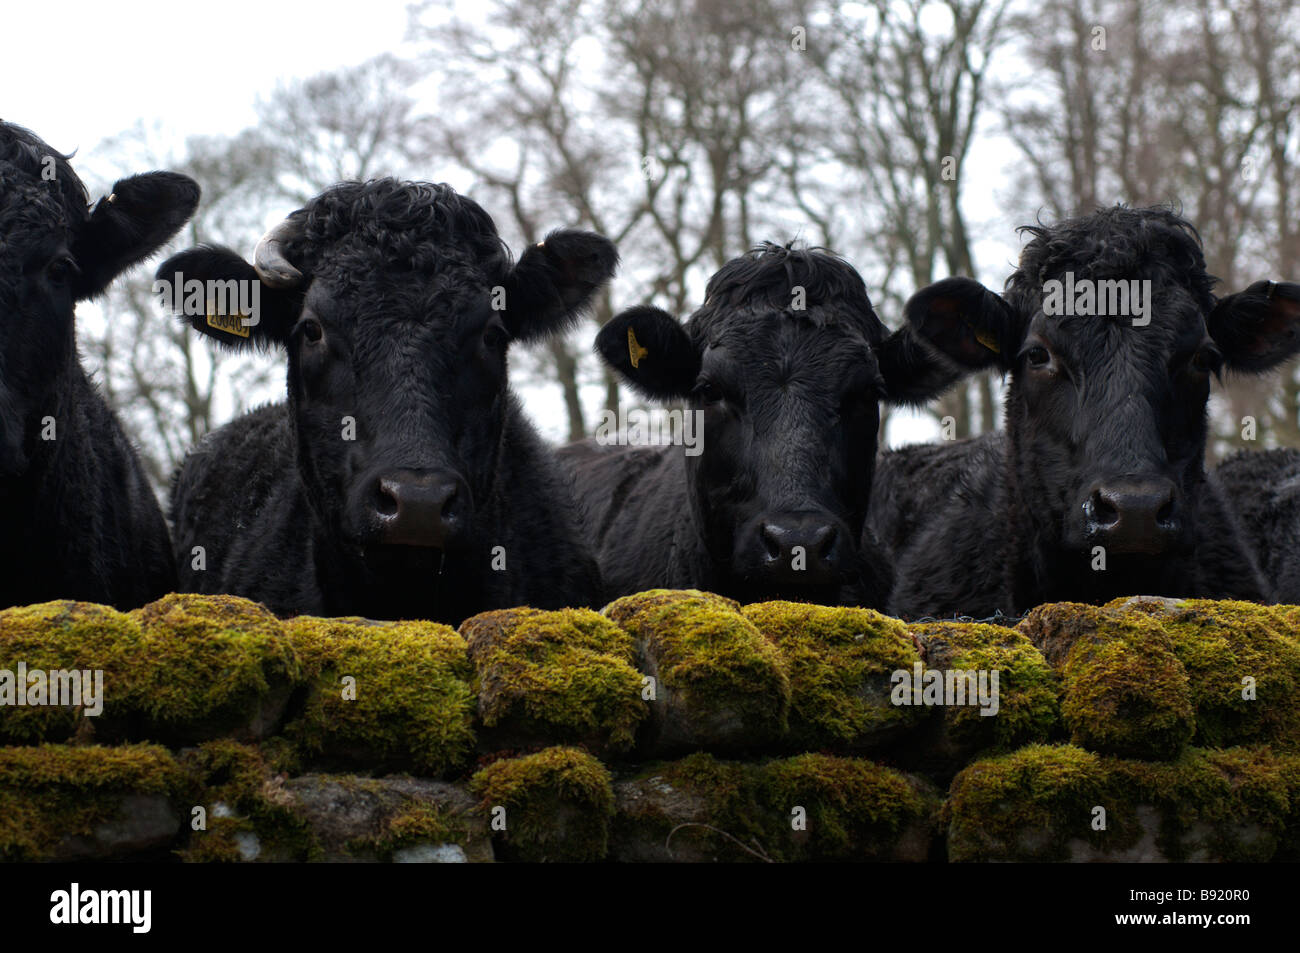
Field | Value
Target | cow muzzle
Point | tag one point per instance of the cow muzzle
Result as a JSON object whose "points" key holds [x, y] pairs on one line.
{"points": [[1134, 515], [425, 508], [793, 549]]}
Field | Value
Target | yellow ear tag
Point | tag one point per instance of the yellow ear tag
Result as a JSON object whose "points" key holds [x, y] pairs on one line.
{"points": [[230, 323], [634, 349], [988, 340]]}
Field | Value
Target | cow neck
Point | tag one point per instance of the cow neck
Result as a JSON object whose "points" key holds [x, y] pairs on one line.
{"points": [[1028, 563], [67, 395]]}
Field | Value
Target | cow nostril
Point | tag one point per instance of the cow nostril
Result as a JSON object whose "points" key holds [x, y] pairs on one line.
{"points": [[1165, 517], [449, 505], [824, 541], [385, 501], [768, 534], [1103, 511]]}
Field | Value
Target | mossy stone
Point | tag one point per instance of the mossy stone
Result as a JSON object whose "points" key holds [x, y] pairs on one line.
{"points": [[1242, 662], [59, 802], [67, 636], [556, 803], [387, 695], [839, 661], [1125, 692], [561, 677], [183, 668], [718, 683], [1028, 707], [1046, 803], [806, 808], [247, 814]]}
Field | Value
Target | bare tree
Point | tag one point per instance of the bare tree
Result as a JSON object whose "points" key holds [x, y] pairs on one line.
{"points": [[1153, 101]]}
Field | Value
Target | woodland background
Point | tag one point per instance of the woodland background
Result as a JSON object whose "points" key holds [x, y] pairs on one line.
{"points": [[910, 137]]}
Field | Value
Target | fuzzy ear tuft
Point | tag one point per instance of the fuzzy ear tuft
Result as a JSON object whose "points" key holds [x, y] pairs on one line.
{"points": [[218, 294], [129, 225], [967, 323], [1258, 328], [555, 281], [651, 351]]}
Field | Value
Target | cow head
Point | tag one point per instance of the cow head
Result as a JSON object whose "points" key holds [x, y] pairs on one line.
{"points": [[55, 250], [1106, 412], [395, 303], [785, 365]]}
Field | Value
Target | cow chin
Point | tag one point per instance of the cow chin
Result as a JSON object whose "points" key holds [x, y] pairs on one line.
{"points": [[389, 559], [13, 461], [823, 593]]}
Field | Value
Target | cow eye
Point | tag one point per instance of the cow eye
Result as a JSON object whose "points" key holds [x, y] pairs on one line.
{"points": [[1207, 360], [312, 332], [1038, 356], [707, 392], [495, 336], [61, 270]]}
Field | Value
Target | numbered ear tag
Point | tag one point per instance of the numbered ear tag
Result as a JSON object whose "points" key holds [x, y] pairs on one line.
{"points": [[634, 349], [230, 323]]}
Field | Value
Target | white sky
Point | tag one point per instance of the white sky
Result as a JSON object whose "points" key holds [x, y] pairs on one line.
{"points": [[81, 71]]}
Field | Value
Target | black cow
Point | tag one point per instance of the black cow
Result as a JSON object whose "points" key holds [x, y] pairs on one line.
{"points": [[80, 520], [1103, 453], [401, 478], [1264, 487], [785, 364]]}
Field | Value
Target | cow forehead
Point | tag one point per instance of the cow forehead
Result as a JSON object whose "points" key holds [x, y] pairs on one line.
{"points": [[379, 304], [30, 216], [771, 328], [775, 344], [1167, 319]]}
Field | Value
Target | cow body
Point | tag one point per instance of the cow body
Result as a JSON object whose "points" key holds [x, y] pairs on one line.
{"points": [[80, 519], [1264, 487], [787, 395], [1097, 488], [400, 479], [239, 495], [948, 514]]}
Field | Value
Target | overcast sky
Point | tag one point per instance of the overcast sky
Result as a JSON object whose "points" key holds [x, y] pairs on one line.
{"points": [[81, 71]]}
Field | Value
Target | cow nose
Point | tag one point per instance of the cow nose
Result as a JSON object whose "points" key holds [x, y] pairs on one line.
{"points": [[798, 548], [420, 508], [1137, 516]]}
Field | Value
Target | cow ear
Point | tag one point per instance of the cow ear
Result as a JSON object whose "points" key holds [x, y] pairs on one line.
{"points": [[651, 351], [1258, 328], [966, 323], [218, 294], [129, 225], [914, 370], [554, 282]]}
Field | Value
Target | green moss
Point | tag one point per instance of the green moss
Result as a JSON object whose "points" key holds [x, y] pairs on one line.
{"points": [[1221, 643], [855, 808], [557, 804], [1039, 804], [1027, 805], [413, 703], [209, 656], [186, 665], [809, 807], [1124, 690], [839, 662], [567, 676], [417, 823], [730, 680], [51, 794], [232, 779], [1028, 705], [67, 635]]}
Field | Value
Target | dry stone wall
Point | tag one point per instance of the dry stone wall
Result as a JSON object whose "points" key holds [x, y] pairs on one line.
{"points": [[671, 726]]}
